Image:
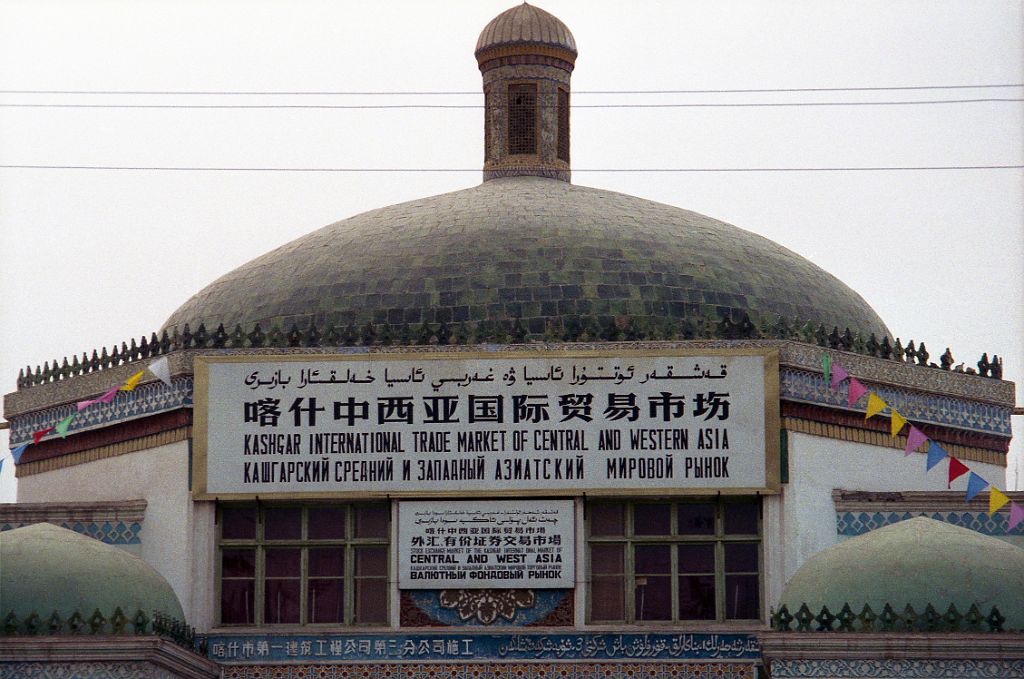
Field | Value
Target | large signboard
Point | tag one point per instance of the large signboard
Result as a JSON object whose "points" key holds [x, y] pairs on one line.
{"points": [[486, 423], [486, 544]]}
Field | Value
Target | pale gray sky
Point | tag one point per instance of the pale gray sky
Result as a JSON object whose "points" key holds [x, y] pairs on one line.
{"points": [[93, 258]]}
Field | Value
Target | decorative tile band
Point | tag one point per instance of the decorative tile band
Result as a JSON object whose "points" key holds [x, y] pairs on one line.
{"points": [[858, 523], [471, 647], [883, 440], [145, 400], [949, 411], [892, 669], [119, 533], [661, 670], [84, 670], [543, 605]]}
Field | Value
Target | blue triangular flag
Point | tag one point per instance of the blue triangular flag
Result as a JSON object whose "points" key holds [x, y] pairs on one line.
{"points": [[935, 455], [1, 465], [975, 484], [16, 453]]}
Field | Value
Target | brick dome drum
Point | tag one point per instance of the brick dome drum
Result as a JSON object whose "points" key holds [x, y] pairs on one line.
{"points": [[540, 250]]}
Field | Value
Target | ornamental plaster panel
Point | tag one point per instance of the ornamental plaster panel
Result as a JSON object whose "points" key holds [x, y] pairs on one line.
{"points": [[495, 671]]}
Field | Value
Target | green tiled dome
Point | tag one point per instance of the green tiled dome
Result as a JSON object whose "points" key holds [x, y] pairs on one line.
{"points": [[532, 248], [919, 561], [46, 568]]}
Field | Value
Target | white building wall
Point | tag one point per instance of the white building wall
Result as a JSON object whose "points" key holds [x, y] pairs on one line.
{"points": [[172, 523], [818, 465]]}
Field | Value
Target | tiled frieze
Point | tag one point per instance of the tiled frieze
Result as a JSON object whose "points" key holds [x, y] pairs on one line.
{"points": [[857, 523], [457, 608], [114, 523], [143, 401], [571, 670], [841, 668], [84, 670], [810, 387]]}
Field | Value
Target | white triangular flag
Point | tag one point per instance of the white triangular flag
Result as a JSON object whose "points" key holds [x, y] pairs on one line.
{"points": [[162, 370]]}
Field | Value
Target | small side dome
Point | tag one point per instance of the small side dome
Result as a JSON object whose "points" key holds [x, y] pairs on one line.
{"points": [[47, 568], [525, 25], [919, 561]]}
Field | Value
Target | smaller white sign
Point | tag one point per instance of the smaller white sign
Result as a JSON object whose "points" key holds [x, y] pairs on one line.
{"points": [[487, 544]]}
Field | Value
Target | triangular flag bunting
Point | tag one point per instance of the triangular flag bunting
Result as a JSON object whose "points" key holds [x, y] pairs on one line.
{"points": [[1016, 516], [132, 381], [826, 366], [935, 455], [975, 484], [838, 375], [1, 465], [898, 421], [62, 426], [996, 500], [856, 390], [162, 369], [38, 436], [82, 405], [18, 452], [109, 396], [914, 440], [875, 405], [956, 470]]}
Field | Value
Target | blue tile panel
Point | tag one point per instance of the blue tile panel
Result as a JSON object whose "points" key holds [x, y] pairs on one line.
{"points": [[428, 602], [119, 533], [949, 411], [84, 670], [858, 523], [891, 669], [144, 400]]}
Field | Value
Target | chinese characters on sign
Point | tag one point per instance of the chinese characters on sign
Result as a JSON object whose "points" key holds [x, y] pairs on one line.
{"points": [[444, 423], [497, 543]]}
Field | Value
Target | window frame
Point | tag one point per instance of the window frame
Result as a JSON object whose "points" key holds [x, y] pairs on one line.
{"points": [[534, 88], [629, 540], [260, 544]]}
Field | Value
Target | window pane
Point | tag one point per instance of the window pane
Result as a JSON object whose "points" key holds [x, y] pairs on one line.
{"points": [[372, 600], [741, 597], [652, 559], [606, 559], [236, 601], [741, 518], [283, 563], [327, 561], [282, 523], [607, 520], [741, 557], [652, 519], [696, 519], [326, 523], [653, 599], [696, 558], [238, 523], [372, 561], [326, 600], [607, 599], [372, 521], [238, 563], [281, 601], [697, 597]]}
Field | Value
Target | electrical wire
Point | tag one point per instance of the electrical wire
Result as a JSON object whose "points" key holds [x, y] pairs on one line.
{"points": [[890, 168]]}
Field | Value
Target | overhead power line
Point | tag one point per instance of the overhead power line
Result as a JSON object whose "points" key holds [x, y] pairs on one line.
{"points": [[480, 106], [890, 168], [371, 93]]}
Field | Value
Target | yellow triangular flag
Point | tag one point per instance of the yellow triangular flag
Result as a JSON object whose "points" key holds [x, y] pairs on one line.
{"points": [[996, 500], [875, 405], [898, 421], [132, 381]]}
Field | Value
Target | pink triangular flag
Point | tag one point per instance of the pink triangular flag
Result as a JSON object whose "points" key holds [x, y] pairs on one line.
{"points": [[109, 396], [914, 440], [82, 405], [838, 374], [1016, 516], [856, 391]]}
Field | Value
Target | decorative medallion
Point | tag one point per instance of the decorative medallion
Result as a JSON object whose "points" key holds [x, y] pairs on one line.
{"points": [[486, 605]]}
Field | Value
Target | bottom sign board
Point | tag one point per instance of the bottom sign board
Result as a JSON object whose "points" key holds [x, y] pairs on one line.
{"points": [[492, 544]]}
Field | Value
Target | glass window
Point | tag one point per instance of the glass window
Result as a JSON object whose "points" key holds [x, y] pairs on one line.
{"points": [[291, 565], [674, 561]]}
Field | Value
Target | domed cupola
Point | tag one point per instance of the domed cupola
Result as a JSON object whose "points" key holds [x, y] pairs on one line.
{"points": [[526, 57]]}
